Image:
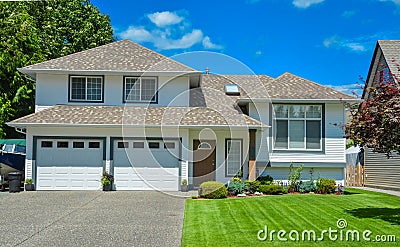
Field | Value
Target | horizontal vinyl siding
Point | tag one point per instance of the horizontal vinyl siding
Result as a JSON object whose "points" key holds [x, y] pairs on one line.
{"points": [[334, 152], [381, 172]]}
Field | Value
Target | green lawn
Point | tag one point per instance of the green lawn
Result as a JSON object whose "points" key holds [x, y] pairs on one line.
{"points": [[236, 222]]}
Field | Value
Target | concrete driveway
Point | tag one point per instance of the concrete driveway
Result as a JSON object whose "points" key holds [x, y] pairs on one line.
{"points": [[84, 218]]}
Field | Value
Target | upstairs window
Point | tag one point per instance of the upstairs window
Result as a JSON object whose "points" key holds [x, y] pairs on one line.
{"points": [[86, 88], [298, 127], [140, 89]]}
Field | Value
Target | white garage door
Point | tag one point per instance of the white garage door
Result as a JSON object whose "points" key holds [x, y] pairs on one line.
{"points": [[69, 164], [146, 165]]}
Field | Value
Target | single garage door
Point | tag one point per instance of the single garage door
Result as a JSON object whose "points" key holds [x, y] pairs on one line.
{"points": [[69, 164], [146, 165]]}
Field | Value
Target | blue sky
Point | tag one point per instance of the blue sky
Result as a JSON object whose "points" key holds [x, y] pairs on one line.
{"points": [[328, 41]]}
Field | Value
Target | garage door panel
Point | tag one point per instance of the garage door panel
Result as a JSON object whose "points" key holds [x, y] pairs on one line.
{"points": [[69, 168]]}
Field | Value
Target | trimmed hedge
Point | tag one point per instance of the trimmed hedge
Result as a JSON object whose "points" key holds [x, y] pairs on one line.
{"points": [[271, 189], [326, 185], [213, 190], [253, 186], [266, 180]]}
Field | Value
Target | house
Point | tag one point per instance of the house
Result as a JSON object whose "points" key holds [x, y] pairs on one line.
{"points": [[379, 170], [152, 122]]}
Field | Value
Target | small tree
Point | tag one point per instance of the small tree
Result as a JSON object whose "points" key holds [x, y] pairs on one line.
{"points": [[294, 176], [376, 121]]}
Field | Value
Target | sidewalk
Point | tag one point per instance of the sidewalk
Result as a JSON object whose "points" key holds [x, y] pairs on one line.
{"points": [[390, 192]]}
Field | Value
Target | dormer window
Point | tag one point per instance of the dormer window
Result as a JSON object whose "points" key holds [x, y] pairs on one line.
{"points": [[140, 89], [86, 88], [232, 89]]}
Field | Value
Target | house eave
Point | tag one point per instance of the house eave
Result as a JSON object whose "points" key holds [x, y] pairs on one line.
{"points": [[279, 100], [25, 125], [32, 72]]}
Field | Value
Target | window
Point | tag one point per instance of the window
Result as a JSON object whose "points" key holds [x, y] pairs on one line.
{"points": [[233, 156], [138, 144], [232, 89], [140, 89], [298, 127], [85, 88], [204, 146], [123, 144], [78, 145], [169, 145], [94, 144], [62, 144], [47, 144], [154, 145]]}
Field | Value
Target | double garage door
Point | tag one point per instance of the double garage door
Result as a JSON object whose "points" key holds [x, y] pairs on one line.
{"points": [[68, 164]]}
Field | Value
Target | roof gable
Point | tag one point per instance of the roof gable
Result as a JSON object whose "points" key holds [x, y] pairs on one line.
{"points": [[124, 56], [388, 52]]}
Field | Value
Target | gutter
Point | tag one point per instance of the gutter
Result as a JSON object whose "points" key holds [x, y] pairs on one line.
{"points": [[263, 100], [23, 125]]}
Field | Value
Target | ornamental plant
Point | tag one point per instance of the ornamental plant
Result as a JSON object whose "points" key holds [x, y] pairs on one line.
{"points": [[107, 179]]}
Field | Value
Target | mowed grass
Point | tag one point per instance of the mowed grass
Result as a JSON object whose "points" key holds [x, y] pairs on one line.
{"points": [[236, 222]]}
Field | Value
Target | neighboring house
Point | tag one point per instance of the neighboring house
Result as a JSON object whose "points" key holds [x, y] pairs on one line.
{"points": [[381, 172], [152, 122]]}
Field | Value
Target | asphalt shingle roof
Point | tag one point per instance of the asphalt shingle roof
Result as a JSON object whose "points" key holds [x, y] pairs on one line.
{"points": [[136, 115], [286, 86], [122, 55], [391, 52]]}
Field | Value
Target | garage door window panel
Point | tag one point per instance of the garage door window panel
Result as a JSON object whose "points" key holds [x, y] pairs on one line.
{"points": [[46, 144], [78, 145], [62, 144], [94, 144]]}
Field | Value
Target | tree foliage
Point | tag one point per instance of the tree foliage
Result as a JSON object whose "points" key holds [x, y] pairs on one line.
{"points": [[36, 31], [376, 121]]}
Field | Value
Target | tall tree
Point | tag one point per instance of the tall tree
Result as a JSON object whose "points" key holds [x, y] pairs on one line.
{"points": [[36, 31], [376, 121]]}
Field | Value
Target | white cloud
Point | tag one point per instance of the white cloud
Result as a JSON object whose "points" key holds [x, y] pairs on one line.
{"points": [[303, 4], [348, 13], [186, 41], [394, 1], [258, 53], [162, 32], [210, 45], [351, 89], [166, 18], [356, 45], [137, 34]]}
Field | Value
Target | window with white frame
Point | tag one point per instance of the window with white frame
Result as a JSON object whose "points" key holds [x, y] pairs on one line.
{"points": [[233, 156], [298, 127], [86, 88], [140, 89]]}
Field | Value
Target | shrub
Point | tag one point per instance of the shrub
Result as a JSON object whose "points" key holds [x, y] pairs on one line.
{"points": [[325, 185], [236, 179], [308, 186], [184, 182], [294, 176], [213, 190], [271, 189], [28, 181], [236, 187], [265, 180], [107, 179], [253, 186]]}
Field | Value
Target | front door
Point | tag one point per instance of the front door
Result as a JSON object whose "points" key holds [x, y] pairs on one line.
{"points": [[204, 155]]}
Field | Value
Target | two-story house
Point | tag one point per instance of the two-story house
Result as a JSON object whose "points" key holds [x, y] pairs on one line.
{"points": [[152, 122]]}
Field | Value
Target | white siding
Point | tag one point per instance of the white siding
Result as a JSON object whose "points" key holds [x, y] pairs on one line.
{"points": [[53, 89], [260, 111], [334, 144]]}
